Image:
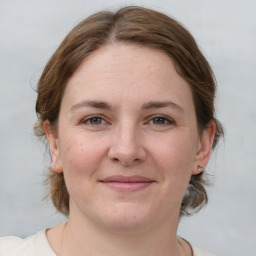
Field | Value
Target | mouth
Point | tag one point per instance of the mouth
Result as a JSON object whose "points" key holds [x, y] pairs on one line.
{"points": [[127, 184]]}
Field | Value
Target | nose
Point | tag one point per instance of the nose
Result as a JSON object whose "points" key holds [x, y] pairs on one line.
{"points": [[127, 147]]}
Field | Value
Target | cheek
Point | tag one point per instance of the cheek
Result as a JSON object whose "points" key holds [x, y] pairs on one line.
{"points": [[176, 151], [175, 159], [81, 156], [81, 159]]}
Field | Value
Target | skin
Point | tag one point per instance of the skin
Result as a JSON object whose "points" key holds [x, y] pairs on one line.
{"points": [[126, 112]]}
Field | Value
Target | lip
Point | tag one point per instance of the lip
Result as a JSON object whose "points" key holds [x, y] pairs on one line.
{"points": [[127, 183]]}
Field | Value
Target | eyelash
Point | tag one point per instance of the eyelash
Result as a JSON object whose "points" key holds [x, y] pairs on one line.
{"points": [[167, 121], [90, 118]]}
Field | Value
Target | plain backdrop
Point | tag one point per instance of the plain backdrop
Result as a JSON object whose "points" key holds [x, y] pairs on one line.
{"points": [[225, 30]]}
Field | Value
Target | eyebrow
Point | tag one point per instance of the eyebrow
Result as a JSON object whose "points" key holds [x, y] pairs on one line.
{"points": [[91, 103], [162, 104], [105, 105]]}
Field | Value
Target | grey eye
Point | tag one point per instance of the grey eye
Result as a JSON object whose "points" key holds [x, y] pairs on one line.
{"points": [[95, 120], [160, 120]]}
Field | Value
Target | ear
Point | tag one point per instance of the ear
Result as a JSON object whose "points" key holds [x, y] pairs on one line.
{"points": [[204, 148], [56, 164]]}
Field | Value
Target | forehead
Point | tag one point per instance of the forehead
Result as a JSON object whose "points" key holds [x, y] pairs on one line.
{"points": [[130, 72], [123, 58]]}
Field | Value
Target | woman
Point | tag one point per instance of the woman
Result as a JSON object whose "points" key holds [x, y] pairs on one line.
{"points": [[127, 105]]}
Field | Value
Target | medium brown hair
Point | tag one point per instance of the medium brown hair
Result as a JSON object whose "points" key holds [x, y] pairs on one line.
{"points": [[128, 25]]}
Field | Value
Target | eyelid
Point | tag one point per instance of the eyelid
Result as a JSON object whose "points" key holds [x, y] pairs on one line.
{"points": [[87, 118], [170, 120]]}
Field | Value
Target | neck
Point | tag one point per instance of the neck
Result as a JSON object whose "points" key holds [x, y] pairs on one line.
{"points": [[84, 238]]}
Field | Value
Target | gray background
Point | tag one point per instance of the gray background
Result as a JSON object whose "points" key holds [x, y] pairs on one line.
{"points": [[226, 31]]}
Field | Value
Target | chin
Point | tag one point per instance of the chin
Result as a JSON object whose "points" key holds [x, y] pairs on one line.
{"points": [[127, 218]]}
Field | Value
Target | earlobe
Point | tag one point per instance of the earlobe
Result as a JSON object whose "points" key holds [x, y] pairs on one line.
{"points": [[204, 149], [56, 164]]}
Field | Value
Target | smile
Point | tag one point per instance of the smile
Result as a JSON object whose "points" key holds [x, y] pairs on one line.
{"points": [[127, 184]]}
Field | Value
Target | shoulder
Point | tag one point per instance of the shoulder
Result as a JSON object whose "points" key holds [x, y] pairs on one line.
{"points": [[200, 252], [33, 245]]}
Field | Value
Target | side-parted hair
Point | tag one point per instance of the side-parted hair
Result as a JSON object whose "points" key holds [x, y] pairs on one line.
{"points": [[133, 25]]}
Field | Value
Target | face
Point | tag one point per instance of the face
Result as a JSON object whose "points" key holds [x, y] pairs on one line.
{"points": [[127, 138]]}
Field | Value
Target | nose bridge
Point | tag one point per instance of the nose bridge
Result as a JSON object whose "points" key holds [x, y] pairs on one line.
{"points": [[127, 133], [125, 141], [127, 147]]}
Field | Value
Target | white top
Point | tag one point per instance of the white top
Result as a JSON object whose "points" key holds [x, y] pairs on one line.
{"points": [[38, 245]]}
